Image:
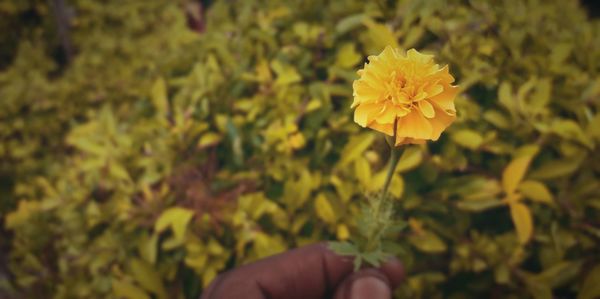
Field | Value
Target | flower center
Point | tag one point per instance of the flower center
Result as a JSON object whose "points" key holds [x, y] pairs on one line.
{"points": [[404, 92]]}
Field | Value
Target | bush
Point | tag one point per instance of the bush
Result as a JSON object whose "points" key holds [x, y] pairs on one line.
{"points": [[156, 156]]}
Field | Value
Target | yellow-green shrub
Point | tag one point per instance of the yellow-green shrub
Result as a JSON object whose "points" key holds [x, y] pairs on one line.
{"points": [[160, 156]]}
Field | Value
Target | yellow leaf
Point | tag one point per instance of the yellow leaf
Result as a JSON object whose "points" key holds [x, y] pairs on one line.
{"points": [[514, 172], [570, 129], [536, 191], [123, 289], [197, 262], [523, 222], [342, 232], [147, 277], [267, 245], [214, 247], [117, 171], [355, 147], [497, 119], [26, 210], [528, 150], [177, 218], [362, 171], [468, 138], [347, 56], [297, 191], [209, 139], [147, 248], [380, 35], [314, 104], [428, 242], [207, 277], [558, 168], [377, 181], [593, 128], [505, 95], [396, 186], [286, 74], [324, 209], [411, 158], [512, 198], [591, 285], [159, 96]]}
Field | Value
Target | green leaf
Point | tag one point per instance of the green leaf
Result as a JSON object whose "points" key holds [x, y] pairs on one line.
{"points": [[396, 227], [235, 140], [358, 260], [343, 248], [374, 258]]}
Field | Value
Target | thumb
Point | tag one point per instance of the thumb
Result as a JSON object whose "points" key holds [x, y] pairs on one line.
{"points": [[372, 283]]}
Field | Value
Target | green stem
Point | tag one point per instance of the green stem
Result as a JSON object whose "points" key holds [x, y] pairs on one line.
{"points": [[394, 158], [373, 238]]}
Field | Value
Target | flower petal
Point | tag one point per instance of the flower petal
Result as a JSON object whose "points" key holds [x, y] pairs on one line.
{"points": [[389, 114], [445, 100], [443, 75], [414, 125], [434, 90], [414, 55], [387, 129], [439, 123], [364, 93], [426, 108], [365, 113]]}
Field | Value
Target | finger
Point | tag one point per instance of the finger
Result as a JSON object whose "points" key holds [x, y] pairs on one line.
{"points": [[307, 272], [374, 283]]}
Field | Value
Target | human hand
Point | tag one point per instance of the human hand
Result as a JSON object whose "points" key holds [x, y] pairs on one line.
{"points": [[310, 272]]}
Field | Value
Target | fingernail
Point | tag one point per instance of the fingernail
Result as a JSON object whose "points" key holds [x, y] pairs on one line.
{"points": [[370, 288]]}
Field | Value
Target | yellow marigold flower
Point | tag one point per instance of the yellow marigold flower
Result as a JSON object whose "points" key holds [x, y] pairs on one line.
{"points": [[410, 91]]}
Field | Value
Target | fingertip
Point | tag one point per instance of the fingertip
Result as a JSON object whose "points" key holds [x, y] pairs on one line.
{"points": [[394, 271], [366, 281]]}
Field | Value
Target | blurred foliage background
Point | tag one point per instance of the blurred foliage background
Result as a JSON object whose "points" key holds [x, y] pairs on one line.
{"points": [[147, 146]]}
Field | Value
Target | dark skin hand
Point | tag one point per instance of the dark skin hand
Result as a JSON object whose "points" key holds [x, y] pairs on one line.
{"points": [[310, 272]]}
